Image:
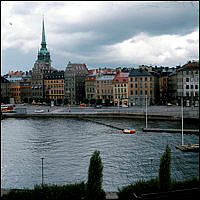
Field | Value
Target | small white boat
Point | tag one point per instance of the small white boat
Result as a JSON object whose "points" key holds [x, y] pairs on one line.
{"points": [[129, 131]]}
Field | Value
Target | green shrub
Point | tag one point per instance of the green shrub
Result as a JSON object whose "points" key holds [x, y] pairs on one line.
{"points": [[164, 170], [45, 192], [138, 188], [95, 178], [185, 184]]}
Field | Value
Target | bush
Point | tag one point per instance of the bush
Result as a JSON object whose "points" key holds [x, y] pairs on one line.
{"points": [[95, 178], [138, 188], [164, 170], [186, 184], [54, 192]]}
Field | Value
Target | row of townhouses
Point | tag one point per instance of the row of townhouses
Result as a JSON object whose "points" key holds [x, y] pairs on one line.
{"points": [[121, 86]]}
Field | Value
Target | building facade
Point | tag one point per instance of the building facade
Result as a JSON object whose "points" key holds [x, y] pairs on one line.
{"points": [[142, 85], [120, 89], [74, 88], [5, 90], [90, 87], [54, 86], [20, 87], [184, 83], [104, 88]]}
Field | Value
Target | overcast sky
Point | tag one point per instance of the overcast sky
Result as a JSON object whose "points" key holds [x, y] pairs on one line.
{"points": [[100, 34]]}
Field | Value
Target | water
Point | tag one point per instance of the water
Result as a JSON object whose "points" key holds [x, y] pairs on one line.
{"points": [[67, 145]]}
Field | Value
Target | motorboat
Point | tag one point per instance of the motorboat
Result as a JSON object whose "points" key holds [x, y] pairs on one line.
{"points": [[129, 131]]}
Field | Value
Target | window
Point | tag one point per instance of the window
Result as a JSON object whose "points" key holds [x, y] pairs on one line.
{"points": [[136, 85], [187, 79], [187, 86], [145, 92], [131, 85], [136, 92], [191, 86], [131, 92], [196, 86], [141, 92]]}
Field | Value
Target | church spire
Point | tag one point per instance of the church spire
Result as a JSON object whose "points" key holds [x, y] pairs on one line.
{"points": [[43, 54], [43, 35]]}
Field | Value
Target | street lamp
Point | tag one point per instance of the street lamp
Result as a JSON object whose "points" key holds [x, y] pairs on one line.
{"points": [[42, 172]]}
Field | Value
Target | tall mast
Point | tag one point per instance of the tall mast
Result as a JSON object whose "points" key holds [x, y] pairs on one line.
{"points": [[182, 118], [146, 111]]}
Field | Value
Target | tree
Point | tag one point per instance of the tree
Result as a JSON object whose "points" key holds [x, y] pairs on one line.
{"points": [[95, 178], [59, 101], [92, 101], [99, 101], [164, 170]]}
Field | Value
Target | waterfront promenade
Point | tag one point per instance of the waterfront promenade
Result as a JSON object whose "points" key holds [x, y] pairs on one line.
{"points": [[139, 112]]}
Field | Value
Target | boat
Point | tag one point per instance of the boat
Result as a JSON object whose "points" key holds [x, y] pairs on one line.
{"points": [[188, 147], [129, 131]]}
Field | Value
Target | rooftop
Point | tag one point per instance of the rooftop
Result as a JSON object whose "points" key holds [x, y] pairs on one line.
{"points": [[139, 72]]}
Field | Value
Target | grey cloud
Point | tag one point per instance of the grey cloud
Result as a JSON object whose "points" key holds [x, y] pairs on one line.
{"points": [[24, 8], [190, 41], [154, 19]]}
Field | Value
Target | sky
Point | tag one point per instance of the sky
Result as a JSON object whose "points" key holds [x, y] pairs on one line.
{"points": [[99, 33]]}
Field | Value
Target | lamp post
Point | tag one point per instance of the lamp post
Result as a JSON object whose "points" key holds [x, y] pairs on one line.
{"points": [[42, 172]]}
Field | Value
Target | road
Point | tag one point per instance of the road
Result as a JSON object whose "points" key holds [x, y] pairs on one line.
{"points": [[153, 110]]}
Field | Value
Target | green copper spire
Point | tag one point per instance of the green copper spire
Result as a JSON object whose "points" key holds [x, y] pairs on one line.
{"points": [[43, 54], [43, 36]]}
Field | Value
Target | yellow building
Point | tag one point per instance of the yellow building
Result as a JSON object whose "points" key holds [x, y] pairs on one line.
{"points": [[54, 86]]}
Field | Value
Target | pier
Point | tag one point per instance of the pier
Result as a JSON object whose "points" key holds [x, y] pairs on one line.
{"points": [[188, 147], [186, 131], [111, 126]]}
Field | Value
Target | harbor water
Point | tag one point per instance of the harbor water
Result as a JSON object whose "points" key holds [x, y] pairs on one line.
{"points": [[67, 145]]}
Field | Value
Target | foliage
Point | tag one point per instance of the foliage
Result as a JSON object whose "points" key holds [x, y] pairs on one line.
{"points": [[164, 170], [93, 101], [138, 188], [86, 101], [152, 186], [95, 178], [59, 101], [186, 184], [66, 101], [54, 192], [99, 101]]}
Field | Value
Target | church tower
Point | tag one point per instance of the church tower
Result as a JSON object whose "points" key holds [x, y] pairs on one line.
{"points": [[42, 67]]}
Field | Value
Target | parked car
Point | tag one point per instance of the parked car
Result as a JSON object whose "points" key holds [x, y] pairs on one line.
{"points": [[98, 106], [83, 104], [124, 106], [5, 111], [39, 111], [169, 104]]}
